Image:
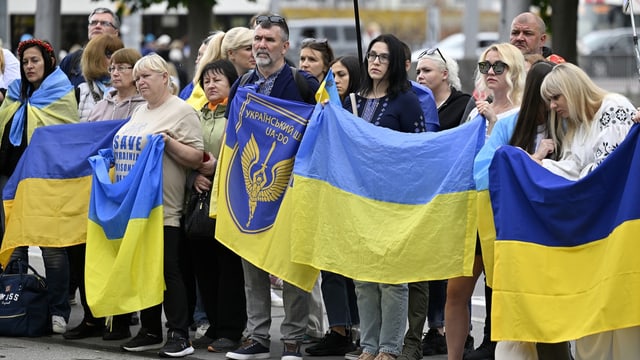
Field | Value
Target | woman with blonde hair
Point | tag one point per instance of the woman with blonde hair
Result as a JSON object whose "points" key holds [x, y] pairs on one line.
{"points": [[198, 99], [95, 69], [501, 75], [587, 125], [236, 47]]}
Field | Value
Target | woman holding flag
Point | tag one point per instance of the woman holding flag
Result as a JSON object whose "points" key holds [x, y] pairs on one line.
{"points": [[385, 99], [42, 96]]}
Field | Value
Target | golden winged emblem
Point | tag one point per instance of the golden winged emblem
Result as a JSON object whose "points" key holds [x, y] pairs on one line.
{"points": [[261, 187]]}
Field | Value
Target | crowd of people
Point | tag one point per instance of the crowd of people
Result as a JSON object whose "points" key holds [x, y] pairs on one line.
{"points": [[528, 97]]}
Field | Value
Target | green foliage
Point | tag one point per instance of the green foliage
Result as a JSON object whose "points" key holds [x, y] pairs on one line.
{"points": [[545, 12]]}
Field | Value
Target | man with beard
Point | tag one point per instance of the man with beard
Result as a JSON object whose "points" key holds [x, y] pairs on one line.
{"points": [[272, 76]]}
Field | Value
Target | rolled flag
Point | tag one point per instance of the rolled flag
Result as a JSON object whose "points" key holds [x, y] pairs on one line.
{"points": [[328, 90]]}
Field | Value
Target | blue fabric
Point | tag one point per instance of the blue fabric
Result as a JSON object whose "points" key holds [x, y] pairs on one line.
{"points": [[554, 211], [428, 105], [53, 87], [387, 165]]}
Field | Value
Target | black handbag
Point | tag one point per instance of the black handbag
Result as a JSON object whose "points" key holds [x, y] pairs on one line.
{"points": [[197, 222], [24, 303]]}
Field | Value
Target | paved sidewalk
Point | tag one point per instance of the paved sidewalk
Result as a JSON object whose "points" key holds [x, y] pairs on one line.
{"points": [[56, 347]]}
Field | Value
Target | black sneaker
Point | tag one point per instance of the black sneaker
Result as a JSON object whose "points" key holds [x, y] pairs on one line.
{"points": [[249, 350], [84, 331], [291, 350], [177, 345], [434, 343], [143, 342], [468, 344], [332, 344], [486, 351], [353, 355]]}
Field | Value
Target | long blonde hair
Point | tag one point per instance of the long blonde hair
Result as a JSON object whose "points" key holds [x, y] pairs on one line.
{"points": [[211, 53], [516, 73], [583, 97]]}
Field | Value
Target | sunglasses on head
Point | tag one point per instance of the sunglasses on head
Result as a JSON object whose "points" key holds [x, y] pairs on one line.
{"points": [[430, 52], [270, 19], [309, 41], [498, 67]]}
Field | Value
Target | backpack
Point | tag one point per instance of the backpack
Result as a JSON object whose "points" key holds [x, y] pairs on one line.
{"points": [[303, 86]]}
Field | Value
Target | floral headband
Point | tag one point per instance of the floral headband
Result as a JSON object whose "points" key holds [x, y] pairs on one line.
{"points": [[29, 43]]}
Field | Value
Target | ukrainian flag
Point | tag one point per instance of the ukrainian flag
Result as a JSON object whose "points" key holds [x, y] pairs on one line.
{"points": [[328, 90], [566, 251], [50, 187], [262, 137], [125, 241], [379, 205]]}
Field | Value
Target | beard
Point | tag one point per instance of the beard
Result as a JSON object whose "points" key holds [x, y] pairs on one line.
{"points": [[263, 61]]}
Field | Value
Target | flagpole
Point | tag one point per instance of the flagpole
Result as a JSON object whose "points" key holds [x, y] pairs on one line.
{"points": [[356, 13], [627, 5]]}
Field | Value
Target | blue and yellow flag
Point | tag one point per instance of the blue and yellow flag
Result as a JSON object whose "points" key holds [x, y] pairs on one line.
{"points": [[379, 205], [328, 90], [125, 241], [50, 187], [262, 137], [566, 252]]}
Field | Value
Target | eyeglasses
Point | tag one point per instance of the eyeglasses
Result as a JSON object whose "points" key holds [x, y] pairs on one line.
{"points": [[498, 67], [430, 52], [101, 23], [309, 41], [383, 58], [273, 19], [120, 68]]}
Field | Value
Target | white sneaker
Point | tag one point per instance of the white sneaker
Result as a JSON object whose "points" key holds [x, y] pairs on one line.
{"points": [[58, 325], [201, 330], [276, 300]]}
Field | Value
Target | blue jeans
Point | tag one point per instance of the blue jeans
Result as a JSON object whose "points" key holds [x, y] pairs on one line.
{"points": [[437, 299], [56, 265], [383, 316], [339, 295]]}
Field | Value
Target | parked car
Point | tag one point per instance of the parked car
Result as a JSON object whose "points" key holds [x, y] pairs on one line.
{"points": [[340, 33], [608, 53], [453, 45]]}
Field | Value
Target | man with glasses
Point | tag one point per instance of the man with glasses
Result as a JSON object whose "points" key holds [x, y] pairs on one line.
{"points": [[272, 76], [101, 21]]}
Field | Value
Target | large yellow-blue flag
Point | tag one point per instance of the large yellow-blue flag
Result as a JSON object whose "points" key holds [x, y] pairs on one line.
{"points": [[262, 137], [566, 254], [379, 205], [46, 200], [125, 241]]}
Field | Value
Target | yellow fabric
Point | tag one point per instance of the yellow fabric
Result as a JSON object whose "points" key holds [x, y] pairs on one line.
{"points": [[576, 283], [135, 261], [431, 241], [487, 233], [197, 99], [26, 218]]}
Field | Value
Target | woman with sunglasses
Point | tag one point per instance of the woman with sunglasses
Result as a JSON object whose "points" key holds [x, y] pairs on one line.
{"points": [[385, 99], [500, 74], [315, 57], [439, 73]]}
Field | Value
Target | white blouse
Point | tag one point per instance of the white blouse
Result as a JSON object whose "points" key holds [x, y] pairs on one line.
{"points": [[593, 143]]}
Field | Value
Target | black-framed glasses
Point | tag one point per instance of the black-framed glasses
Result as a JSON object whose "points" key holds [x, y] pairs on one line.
{"points": [[101, 23], [498, 67], [309, 41], [120, 68], [383, 58], [430, 52], [270, 19]]}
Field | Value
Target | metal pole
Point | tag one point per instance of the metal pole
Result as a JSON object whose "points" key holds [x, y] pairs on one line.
{"points": [[356, 14], [627, 5]]}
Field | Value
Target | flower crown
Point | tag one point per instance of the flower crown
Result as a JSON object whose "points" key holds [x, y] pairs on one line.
{"points": [[29, 43]]}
